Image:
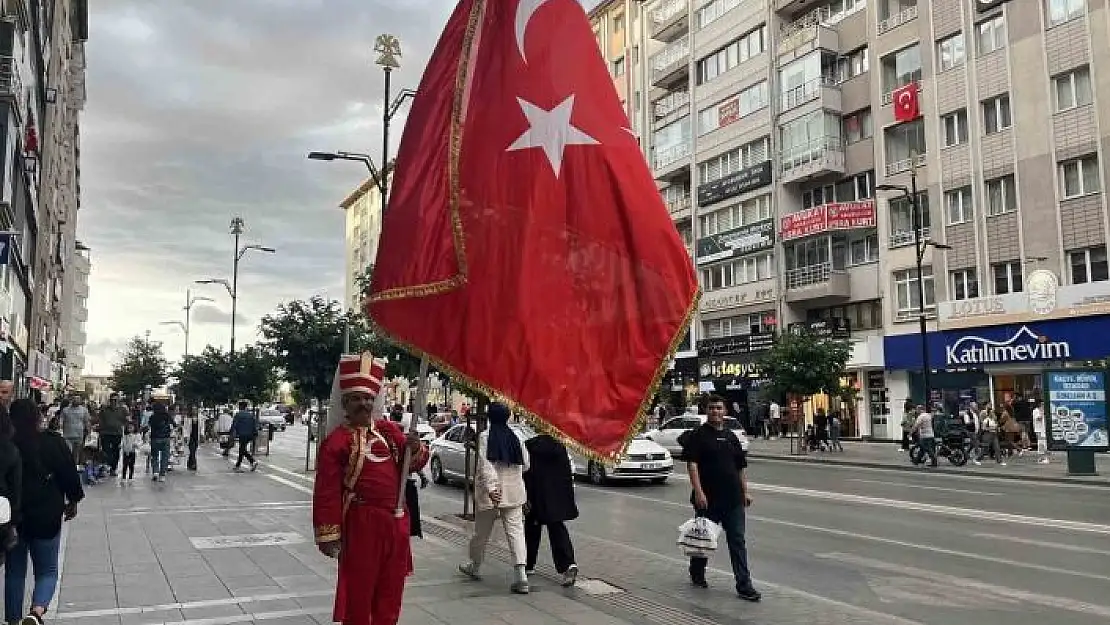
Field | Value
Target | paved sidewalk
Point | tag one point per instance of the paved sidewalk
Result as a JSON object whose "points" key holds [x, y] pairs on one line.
{"points": [[215, 548], [887, 456]]}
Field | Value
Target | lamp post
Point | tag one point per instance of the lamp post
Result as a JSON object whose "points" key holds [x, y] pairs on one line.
{"points": [[237, 226], [920, 245], [190, 300]]}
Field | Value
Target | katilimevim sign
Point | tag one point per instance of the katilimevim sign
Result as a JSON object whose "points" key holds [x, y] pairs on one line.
{"points": [[1024, 346]]}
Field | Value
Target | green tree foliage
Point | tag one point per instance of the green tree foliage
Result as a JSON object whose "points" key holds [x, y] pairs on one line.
{"points": [[140, 363], [214, 377], [252, 375], [803, 364]]}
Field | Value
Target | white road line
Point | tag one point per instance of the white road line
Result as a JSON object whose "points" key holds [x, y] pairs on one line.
{"points": [[205, 603], [289, 483], [923, 487], [247, 618], [1044, 543], [1059, 603], [300, 476]]}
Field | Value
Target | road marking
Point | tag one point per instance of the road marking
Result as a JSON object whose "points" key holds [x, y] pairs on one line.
{"points": [[205, 603], [217, 509], [923, 487], [304, 489], [253, 504], [247, 540], [1044, 543], [289, 483], [247, 618], [988, 590]]}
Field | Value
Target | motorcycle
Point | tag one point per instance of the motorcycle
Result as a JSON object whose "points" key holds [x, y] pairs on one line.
{"points": [[955, 445]]}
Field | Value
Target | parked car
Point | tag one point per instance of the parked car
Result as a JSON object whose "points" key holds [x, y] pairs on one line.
{"points": [[427, 433], [644, 460], [667, 434], [269, 416], [448, 452]]}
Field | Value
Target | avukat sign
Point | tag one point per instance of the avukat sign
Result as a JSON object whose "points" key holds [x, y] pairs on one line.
{"points": [[526, 250]]}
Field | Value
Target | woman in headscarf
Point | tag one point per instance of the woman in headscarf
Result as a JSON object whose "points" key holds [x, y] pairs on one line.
{"points": [[51, 491], [499, 492], [550, 484]]}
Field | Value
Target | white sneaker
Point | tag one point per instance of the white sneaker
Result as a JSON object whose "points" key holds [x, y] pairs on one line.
{"points": [[571, 576], [977, 463], [1001, 464]]}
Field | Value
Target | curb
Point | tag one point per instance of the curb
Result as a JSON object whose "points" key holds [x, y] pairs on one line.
{"points": [[1100, 482]]}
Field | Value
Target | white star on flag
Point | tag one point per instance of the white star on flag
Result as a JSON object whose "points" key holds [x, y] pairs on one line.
{"points": [[551, 131]]}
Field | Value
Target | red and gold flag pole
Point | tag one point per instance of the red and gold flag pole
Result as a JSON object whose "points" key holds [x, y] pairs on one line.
{"points": [[417, 412]]}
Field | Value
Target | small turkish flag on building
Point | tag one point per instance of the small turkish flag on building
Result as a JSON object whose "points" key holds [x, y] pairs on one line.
{"points": [[526, 250], [904, 100]]}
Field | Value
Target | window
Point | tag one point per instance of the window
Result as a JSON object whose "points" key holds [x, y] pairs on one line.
{"points": [[860, 315], [955, 128], [618, 67], [747, 155], [818, 196], [901, 68], [809, 137], [852, 64], [991, 35], [905, 288], [959, 206], [857, 126], [996, 114], [618, 24], [894, 8], [904, 142], [1073, 88], [741, 271], [901, 219], [755, 323], [735, 216], [1079, 176], [1060, 11], [713, 11], [965, 284], [1001, 195], [729, 110], [856, 248], [743, 48], [858, 187], [951, 52], [1007, 278], [1089, 265]]}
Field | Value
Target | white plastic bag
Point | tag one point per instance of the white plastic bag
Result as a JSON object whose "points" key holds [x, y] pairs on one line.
{"points": [[698, 537], [5, 511]]}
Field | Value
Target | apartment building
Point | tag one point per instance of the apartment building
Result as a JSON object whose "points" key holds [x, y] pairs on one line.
{"points": [[363, 210], [616, 25], [773, 122], [75, 313]]}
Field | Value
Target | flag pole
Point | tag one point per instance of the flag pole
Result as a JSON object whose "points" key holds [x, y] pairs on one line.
{"points": [[417, 411]]}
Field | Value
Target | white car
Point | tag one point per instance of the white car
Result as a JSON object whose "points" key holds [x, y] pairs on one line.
{"points": [[448, 452], [270, 417], [644, 460], [667, 434], [427, 432]]}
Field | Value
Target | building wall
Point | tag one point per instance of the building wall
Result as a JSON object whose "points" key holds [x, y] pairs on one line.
{"points": [[76, 314], [363, 210]]}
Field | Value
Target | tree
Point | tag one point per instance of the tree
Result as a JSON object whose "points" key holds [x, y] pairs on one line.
{"points": [[138, 364], [804, 364], [200, 379], [252, 375]]}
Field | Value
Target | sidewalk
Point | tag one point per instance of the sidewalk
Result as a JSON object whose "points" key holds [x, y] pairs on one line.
{"points": [[887, 456], [215, 548]]}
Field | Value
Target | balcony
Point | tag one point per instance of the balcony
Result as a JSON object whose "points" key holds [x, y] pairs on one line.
{"points": [[820, 157], [806, 39], [11, 85], [904, 16], [679, 208], [888, 97], [671, 103], [902, 238], [905, 164], [817, 284], [825, 90], [669, 20], [671, 64], [668, 160]]}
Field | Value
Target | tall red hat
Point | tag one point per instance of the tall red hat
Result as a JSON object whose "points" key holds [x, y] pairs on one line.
{"points": [[360, 374]]}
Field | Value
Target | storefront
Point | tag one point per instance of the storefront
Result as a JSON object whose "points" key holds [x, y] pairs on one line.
{"points": [[729, 367], [679, 387]]}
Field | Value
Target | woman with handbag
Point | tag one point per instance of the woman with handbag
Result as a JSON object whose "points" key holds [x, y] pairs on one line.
{"points": [[51, 491]]}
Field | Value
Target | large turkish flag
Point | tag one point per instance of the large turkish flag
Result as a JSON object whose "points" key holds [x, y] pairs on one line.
{"points": [[526, 249]]}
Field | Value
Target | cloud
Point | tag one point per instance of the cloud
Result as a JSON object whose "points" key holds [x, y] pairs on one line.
{"points": [[213, 315]]}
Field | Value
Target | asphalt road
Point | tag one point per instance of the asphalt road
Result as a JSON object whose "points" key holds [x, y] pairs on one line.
{"points": [[927, 548]]}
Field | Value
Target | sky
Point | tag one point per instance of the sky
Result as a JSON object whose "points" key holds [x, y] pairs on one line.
{"points": [[204, 110]]}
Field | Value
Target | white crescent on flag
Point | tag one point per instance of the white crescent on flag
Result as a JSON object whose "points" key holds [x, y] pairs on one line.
{"points": [[524, 12]]}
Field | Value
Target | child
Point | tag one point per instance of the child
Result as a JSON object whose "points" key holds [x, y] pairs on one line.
{"points": [[91, 456], [129, 447]]}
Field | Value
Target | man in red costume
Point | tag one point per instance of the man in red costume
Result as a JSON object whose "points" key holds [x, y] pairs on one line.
{"points": [[358, 478]]}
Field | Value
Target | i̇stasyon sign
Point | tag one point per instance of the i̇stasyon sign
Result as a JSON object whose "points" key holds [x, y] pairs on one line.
{"points": [[1024, 346]]}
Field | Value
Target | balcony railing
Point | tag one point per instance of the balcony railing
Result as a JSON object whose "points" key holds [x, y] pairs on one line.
{"points": [[888, 97], [903, 238], [808, 275], [815, 149], [673, 53], [905, 164], [671, 103], [677, 205], [907, 14], [667, 10], [11, 85], [806, 92], [668, 156]]}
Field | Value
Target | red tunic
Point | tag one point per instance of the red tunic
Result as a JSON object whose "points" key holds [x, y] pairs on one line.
{"points": [[358, 477]]}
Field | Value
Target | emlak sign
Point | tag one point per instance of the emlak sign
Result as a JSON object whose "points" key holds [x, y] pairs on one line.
{"points": [[1049, 341]]}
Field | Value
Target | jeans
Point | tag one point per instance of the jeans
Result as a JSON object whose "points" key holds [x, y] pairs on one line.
{"points": [[562, 549], [44, 560], [160, 455], [128, 471], [733, 523], [928, 446], [244, 452], [834, 442], [110, 443], [988, 441]]}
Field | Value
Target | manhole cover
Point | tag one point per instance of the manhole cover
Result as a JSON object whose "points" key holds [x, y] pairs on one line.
{"points": [[596, 587]]}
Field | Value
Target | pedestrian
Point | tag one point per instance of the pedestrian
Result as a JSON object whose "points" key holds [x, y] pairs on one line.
{"points": [[834, 432], [223, 431], [549, 482], [412, 493], [129, 448], [161, 429], [717, 465], [926, 437], [1040, 433], [776, 419], [113, 417], [11, 482], [499, 491], [353, 503], [821, 424], [7, 392], [988, 438], [51, 492], [75, 426], [245, 428], [909, 415], [192, 437]]}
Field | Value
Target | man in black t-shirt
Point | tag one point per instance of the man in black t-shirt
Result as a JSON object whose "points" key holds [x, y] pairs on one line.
{"points": [[716, 462]]}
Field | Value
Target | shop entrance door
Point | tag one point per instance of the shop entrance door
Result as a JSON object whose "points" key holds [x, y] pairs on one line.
{"points": [[1008, 385]]}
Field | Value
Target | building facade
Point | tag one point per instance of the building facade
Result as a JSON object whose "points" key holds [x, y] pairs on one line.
{"points": [[75, 313], [773, 122], [363, 210]]}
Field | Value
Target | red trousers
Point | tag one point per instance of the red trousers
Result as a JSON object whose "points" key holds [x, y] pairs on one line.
{"points": [[373, 563]]}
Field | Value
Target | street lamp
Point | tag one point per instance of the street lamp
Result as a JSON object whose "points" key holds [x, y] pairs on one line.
{"points": [[184, 329], [237, 226], [920, 245], [190, 300]]}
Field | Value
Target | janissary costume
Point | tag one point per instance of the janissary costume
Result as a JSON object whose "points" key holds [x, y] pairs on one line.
{"points": [[358, 479]]}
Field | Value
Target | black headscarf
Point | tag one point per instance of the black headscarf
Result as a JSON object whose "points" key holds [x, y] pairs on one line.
{"points": [[503, 445]]}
